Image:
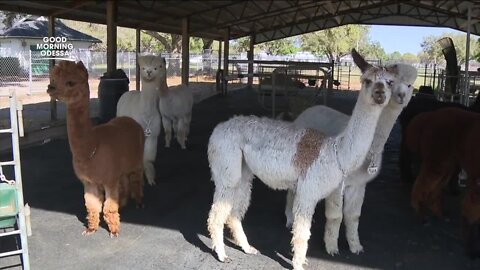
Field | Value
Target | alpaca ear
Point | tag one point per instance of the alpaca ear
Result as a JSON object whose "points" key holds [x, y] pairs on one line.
{"points": [[141, 60], [360, 61], [404, 72], [83, 69]]}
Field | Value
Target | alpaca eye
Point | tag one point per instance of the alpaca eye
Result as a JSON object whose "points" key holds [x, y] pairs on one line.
{"points": [[367, 81], [143, 68], [155, 68], [70, 84], [409, 85], [389, 82]]}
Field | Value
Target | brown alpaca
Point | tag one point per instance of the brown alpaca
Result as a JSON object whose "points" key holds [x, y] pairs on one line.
{"points": [[106, 158], [445, 139]]}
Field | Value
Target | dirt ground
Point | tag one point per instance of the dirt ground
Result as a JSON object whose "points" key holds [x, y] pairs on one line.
{"points": [[170, 232]]}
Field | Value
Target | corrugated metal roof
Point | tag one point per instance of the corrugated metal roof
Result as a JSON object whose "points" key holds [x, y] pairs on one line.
{"points": [[266, 20], [39, 29]]}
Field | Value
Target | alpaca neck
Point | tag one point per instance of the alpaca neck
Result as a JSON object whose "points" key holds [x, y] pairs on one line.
{"points": [[384, 127], [163, 86], [80, 131], [354, 143], [149, 96]]}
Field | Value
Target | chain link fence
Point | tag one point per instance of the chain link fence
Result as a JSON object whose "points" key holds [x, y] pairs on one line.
{"points": [[28, 70]]}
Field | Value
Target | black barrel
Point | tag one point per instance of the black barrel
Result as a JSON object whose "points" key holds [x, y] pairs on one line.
{"points": [[111, 88]]}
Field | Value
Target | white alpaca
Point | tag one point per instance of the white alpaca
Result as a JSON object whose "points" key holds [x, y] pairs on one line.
{"points": [[285, 157], [176, 109], [327, 120], [143, 107]]}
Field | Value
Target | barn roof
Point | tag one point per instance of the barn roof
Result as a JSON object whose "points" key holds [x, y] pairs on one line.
{"points": [[266, 20]]}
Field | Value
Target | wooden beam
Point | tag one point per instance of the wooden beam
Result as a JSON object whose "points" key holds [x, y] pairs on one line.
{"points": [[111, 35], [137, 53], [51, 64], [185, 51]]}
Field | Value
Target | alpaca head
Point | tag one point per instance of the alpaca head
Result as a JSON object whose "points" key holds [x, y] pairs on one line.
{"points": [[152, 67], [402, 89], [69, 82], [377, 82]]}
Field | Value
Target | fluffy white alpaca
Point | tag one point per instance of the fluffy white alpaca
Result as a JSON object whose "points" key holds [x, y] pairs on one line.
{"points": [[327, 120], [143, 107], [176, 109], [285, 157]]}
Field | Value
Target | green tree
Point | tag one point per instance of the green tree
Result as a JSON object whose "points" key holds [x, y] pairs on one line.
{"points": [[409, 58], [8, 19], [336, 42], [282, 46], [375, 51], [395, 56], [432, 52]]}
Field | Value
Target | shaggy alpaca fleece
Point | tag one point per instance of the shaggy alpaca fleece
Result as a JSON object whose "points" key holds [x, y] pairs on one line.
{"points": [[285, 157], [329, 121], [143, 107], [445, 139], [175, 106], [106, 158]]}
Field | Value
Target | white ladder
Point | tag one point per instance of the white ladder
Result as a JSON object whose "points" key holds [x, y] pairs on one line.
{"points": [[16, 130]]}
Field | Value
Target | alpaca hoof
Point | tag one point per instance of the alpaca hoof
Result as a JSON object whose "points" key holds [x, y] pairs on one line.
{"points": [[251, 250], [224, 258], [289, 223], [332, 249], [88, 231], [113, 234], [356, 248], [151, 182]]}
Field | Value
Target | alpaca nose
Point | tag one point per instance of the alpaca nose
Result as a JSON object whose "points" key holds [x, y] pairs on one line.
{"points": [[379, 93], [149, 72], [401, 97]]}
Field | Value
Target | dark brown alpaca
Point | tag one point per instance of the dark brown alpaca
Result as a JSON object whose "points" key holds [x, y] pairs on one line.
{"points": [[445, 140], [106, 158]]}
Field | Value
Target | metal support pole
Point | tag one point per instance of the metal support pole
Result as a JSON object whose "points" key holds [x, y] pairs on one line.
{"points": [[51, 64], [137, 53], [226, 40], [185, 51], [466, 93], [219, 54], [111, 35], [250, 61]]}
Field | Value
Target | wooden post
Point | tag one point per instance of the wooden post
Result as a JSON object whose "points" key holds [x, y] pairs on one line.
{"points": [[51, 64], [225, 60], [250, 61], [111, 35], [137, 66], [185, 51]]}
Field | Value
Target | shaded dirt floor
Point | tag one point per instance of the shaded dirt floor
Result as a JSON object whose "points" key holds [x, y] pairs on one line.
{"points": [[170, 232]]}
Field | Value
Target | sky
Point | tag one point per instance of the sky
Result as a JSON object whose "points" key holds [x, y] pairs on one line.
{"points": [[405, 38]]}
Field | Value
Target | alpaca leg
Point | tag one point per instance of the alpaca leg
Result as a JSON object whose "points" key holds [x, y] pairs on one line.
{"points": [[240, 206], [220, 211], [303, 213], [352, 209], [149, 155], [288, 208], [93, 203], [180, 132], [188, 119], [167, 126], [136, 187], [405, 161], [124, 192], [110, 210], [333, 213]]}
